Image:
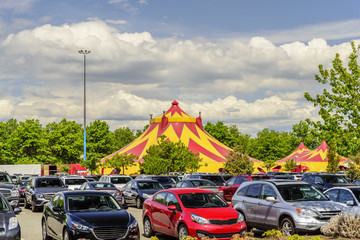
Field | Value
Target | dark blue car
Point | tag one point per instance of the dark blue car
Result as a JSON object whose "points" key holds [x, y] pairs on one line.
{"points": [[9, 225], [136, 191], [87, 215]]}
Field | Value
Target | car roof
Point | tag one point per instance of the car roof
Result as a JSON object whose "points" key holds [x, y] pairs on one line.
{"points": [[277, 182], [81, 192], [187, 190], [144, 180], [350, 187], [96, 182]]}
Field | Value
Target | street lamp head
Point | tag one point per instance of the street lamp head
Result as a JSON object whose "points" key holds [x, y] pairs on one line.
{"points": [[84, 52]]}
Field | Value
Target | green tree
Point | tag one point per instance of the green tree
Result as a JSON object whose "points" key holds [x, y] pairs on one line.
{"points": [[289, 165], [238, 162], [98, 144], [122, 137], [141, 131], [339, 104], [353, 171], [28, 143], [119, 161], [168, 156], [6, 130], [269, 164], [65, 141], [221, 132], [333, 161], [306, 134]]}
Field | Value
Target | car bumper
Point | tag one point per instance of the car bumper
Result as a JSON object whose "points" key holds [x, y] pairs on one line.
{"points": [[309, 224], [217, 231], [13, 234]]}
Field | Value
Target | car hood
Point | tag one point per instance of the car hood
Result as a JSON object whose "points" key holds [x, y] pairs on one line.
{"points": [[7, 186], [223, 213], [102, 218], [318, 206], [50, 190]]}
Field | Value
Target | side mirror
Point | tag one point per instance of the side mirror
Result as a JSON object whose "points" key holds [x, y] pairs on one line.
{"points": [[172, 207], [17, 210], [125, 206], [231, 205], [350, 203], [319, 183], [271, 199]]}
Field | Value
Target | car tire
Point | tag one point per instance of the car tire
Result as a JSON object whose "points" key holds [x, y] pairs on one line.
{"points": [[148, 232], [66, 235], [287, 227], [45, 236], [182, 231], [26, 204], [138, 203]]}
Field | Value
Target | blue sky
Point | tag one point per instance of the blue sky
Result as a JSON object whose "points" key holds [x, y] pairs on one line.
{"points": [[247, 63]]}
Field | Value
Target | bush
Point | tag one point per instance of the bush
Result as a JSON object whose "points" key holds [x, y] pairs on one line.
{"points": [[343, 225], [273, 234]]}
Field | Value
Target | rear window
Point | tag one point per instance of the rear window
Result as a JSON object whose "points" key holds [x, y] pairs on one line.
{"points": [[103, 185], [214, 178], [55, 182], [116, 180], [256, 178], [75, 181], [164, 180], [202, 183]]}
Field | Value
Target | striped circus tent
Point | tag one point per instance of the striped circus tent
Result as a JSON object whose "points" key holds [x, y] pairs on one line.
{"points": [[177, 125], [299, 152]]}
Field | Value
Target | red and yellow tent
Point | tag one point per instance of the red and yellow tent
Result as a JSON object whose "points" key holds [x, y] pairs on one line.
{"points": [[177, 125]]}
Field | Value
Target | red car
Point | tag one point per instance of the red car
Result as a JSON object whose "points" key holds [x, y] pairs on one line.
{"points": [[181, 212], [233, 183]]}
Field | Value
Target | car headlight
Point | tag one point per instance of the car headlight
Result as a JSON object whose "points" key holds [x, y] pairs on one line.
{"points": [[39, 195], [240, 218], [198, 219], [13, 223], [80, 226], [14, 193], [307, 212], [146, 196], [133, 225]]}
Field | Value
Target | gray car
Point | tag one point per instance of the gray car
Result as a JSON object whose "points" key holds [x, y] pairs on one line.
{"points": [[291, 206]]}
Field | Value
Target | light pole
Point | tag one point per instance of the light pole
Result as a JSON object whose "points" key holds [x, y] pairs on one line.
{"points": [[84, 52]]}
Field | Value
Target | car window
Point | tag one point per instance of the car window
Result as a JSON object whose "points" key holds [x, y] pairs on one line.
{"points": [[309, 179], [160, 197], [75, 181], [178, 184], [172, 200], [202, 200], [164, 180], [5, 178], [60, 203], [3, 206], [92, 202], [242, 191], [253, 191], [268, 191], [345, 196], [256, 178], [318, 180], [334, 179], [300, 192], [231, 181], [149, 185], [119, 180], [103, 185], [49, 182], [197, 183], [187, 184], [332, 194]]}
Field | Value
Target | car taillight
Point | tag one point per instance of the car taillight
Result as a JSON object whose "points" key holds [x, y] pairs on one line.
{"points": [[118, 191], [221, 189], [21, 190]]}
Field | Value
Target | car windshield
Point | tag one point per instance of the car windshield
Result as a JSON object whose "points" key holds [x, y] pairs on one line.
{"points": [[3, 206], [103, 185], [149, 185], [334, 179], [4, 178], [202, 200], [75, 181], [117, 180], [300, 192], [202, 183], [91, 203], [46, 182], [164, 180], [256, 178]]}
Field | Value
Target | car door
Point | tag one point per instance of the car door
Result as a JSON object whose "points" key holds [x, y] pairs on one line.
{"points": [[59, 216], [160, 221], [267, 212], [346, 196], [251, 202], [50, 217], [227, 188], [126, 191], [172, 217], [133, 192]]}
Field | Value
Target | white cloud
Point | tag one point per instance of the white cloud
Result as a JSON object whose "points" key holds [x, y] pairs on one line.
{"points": [[130, 75]]}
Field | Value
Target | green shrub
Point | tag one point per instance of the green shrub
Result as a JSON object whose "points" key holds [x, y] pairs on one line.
{"points": [[295, 237], [273, 233], [343, 225], [154, 238]]}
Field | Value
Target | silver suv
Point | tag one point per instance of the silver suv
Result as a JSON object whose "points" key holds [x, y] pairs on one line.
{"points": [[287, 205]]}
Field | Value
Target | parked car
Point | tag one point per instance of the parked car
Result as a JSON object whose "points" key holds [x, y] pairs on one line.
{"points": [[87, 215], [356, 182], [216, 178], [117, 179], [103, 186], [10, 228], [279, 175], [93, 176], [166, 181], [40, 190], [200, 184], [324, 181], [291, 206], [21, 186], [73, 182], [349, 196], [296, 175], [232, 185], [137, 190], [200, 213], [9, 189]]}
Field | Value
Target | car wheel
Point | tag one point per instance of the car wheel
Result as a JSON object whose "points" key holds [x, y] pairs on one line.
{"points": [[148, 232], [26, 204], [287, 227], [182, 232], [138, 203], [66, 234], [44, 231]]}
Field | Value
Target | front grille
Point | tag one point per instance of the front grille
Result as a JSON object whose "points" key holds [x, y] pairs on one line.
{"points": [[48, 196], [325, 215], [114, 232], [223, 222], [2, 229], [6, 192]]}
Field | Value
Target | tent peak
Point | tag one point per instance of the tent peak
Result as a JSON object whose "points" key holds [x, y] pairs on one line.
{"points": [[175, 103]]}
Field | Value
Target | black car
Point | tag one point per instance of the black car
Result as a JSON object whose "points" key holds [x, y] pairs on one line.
{"points": [[103, 186], [9, 225], [136, 191], [166, 181], [324, 181], [87, 215], [9, 189], [40, 190], [21, 188], [216, 178]]}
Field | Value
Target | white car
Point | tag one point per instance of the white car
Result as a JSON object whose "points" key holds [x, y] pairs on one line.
{"points": [[73, 182], [119, 180]]}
